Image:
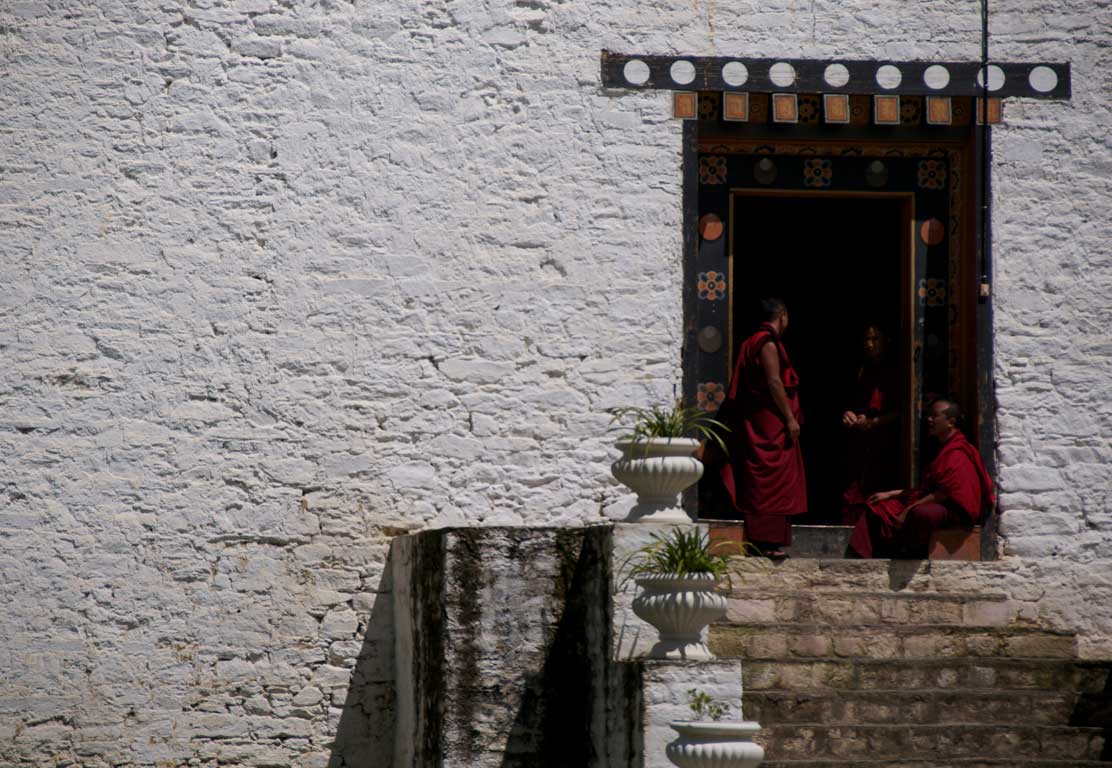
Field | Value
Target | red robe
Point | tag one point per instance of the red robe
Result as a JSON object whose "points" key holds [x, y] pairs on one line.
{"points": [[957, 472], [763, 472], [872, 454]]}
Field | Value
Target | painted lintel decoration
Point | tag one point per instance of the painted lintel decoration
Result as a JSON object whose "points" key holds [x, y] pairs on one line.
{"points": [[835, 108], [684, 105], [735, 107], [1038, 80], [886, 110], [939, 110]]}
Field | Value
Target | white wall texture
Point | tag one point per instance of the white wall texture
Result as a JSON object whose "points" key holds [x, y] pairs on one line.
{"points": [[282, 279]]}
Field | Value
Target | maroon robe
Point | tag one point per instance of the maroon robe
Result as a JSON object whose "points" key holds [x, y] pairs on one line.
{"points": [[871, 454], [958, 472], [763, 472]]}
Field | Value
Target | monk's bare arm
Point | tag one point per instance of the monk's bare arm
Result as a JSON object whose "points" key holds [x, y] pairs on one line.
{"points": [[934, 497], [770, 361]]}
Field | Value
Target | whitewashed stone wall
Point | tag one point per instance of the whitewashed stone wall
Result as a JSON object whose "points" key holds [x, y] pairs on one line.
{"points": [[281, 280]]}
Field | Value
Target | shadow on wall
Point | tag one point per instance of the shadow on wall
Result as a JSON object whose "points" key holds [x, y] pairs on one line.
{"points": [[1093, 708], [365, 732], [562, 719]]}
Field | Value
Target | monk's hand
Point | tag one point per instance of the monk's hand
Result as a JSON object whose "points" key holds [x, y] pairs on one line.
{"points": [[883, 496], [849, 419], [793, 429]]}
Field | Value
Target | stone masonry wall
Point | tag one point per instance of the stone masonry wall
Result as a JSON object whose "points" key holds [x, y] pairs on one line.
{"points": [[282, 280]]}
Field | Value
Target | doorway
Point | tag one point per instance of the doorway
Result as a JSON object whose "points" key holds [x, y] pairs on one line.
{"points": [[840, 262]]}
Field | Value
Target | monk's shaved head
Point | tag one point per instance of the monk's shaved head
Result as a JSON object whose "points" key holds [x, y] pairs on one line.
{"points": [[950, 409], [772, 308]]}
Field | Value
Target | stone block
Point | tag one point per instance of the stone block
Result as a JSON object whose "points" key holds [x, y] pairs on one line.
{"points": [[955, 544]]}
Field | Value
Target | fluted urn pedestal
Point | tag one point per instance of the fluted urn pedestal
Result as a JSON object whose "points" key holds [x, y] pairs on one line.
{"points": [[658, 470], [679, 607], [715, 745]]}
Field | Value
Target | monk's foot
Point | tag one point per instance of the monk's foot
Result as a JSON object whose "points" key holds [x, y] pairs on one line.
{"points": [[775, 554]]}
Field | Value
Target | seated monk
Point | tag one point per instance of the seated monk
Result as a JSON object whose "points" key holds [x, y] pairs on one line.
{"points": [[955, 490]]}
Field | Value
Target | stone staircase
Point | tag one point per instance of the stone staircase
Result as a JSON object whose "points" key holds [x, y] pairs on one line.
{"points": [[885, 663]]}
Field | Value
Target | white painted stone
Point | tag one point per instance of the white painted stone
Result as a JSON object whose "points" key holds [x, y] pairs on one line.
{"points": [[257, 257]]}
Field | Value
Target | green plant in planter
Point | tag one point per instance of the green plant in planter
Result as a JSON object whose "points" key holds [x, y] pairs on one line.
{"points": [[677, 421], [680, 552], [704, 707]]}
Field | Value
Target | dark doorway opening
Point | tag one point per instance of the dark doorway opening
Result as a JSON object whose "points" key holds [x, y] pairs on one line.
{"points": [[840, 263]]}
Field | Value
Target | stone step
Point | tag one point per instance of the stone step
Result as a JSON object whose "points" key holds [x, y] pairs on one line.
{"points": [[757, 574], [873, 641], [942, 741], [924, 706], [819, 540], [768, 606], [804, 675], [1018, 761]]}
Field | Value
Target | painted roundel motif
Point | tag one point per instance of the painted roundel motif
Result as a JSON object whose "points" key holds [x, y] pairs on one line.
{"points": [[711, 285], [932, 231], [710, 227]]}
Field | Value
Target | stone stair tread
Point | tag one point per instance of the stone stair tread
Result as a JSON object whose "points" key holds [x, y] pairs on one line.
{"points": [[816, 641], [927, 706], [943, 576], [880, 608], [962, 762], [905, 629], [766, 591], [953, 673], [941, 740]]}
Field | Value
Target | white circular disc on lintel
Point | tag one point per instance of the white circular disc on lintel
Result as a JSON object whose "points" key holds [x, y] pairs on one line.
{"points": [[936, 77], [995, 78], [888, 77], [836, 75], [682, 72], [782, 74], [1043, 79], [735, 73], [636, 71]]}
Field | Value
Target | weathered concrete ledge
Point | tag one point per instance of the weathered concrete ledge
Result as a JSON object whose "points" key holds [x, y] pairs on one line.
{"points": [[507, 655]]}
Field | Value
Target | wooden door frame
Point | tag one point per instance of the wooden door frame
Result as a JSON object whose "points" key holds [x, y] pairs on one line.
{"points": [[975, 388]]}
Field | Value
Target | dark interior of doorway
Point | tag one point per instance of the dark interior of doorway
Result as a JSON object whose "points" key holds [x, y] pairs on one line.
{"points": [[836, 262]]}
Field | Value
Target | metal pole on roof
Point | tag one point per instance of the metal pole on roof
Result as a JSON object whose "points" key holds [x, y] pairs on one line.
{"points": [[985, 281]]}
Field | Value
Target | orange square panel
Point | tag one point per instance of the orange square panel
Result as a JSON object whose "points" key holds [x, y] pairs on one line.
{"points": [[939, 110], [685, 105], [886, 110], [785, 108], [735, 107], [835, 107], [995, 111]]}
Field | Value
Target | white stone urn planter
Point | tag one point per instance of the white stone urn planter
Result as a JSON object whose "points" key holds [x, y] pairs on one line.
{"points": [[715, 745], [658, 470], [679, 607]]}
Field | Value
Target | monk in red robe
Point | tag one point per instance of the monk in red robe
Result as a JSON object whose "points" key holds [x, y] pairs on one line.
{"points": [[763, 471], [954, 493], [871, 429]]}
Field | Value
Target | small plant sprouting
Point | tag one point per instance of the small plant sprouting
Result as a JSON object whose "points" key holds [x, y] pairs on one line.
{"points": [[680, 552], [704, 707], [678, 421]]}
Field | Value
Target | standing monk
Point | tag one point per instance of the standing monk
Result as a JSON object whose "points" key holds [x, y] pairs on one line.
{"points": [[763, 472], [954, 492], [871, 429]]}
